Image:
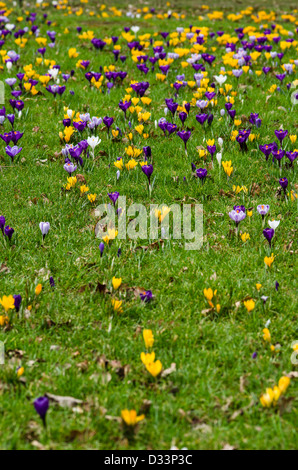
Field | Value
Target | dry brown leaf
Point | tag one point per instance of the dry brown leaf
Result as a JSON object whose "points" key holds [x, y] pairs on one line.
{"points": [[64, 402], [169, 371]]}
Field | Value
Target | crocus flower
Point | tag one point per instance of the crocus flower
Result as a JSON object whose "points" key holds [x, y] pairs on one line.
{"points": [[108, 121], [268, 234], [101, 248], [113, 196], [44, 228], [2, 223], [276, 286], [52, 282], [284, 183], [70, 167], [147, 151], [148, 170], [201, 174], [273, 224], [17, 302], [41, 406], [146, 296], [280, 134], [8, 231], [184, 135], [93, 142], [237, 215], [263, 209]]}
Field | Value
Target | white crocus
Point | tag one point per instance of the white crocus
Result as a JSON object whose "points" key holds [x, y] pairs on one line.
{"points": [[69, 113], [53, 73], [273, 224], [220, 142], [220, 79], [218, 158], [93, 142], [135, 29]]}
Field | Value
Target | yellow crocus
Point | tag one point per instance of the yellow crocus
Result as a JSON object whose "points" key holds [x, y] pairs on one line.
{"points": [[154, 368], [249, 305], [130, 417], [116, 282], [38, 289], [147, 358], [7, 302], [148, 338]]}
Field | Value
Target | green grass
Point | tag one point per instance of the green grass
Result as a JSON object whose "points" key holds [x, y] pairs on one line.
{"points": [[213, 397]]}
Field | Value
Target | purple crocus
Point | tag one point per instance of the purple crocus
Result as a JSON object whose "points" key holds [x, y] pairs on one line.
{"points": [[148, 170], [184, 135], [263, 209], [113, 196], [237, 215], [284, 183], [280, 134], [201, 173], [8, 231], [12, 151], [70, 168], [17, 302], [2, 223], [268, 234], [101, 248], [108, 121], [146, 296], [41, 406], [147, 151]]}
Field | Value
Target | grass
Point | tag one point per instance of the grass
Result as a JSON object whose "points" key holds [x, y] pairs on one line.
{"points": [[69, 340]]}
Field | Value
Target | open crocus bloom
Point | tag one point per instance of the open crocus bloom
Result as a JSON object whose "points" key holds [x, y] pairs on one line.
{"points": [[273, 224]]}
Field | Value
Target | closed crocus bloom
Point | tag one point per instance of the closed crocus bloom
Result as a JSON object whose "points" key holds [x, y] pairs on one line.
{"points": [[267, 399], [101, 248], [17, 302], [148, 338], [148, 170], [154, 368], [2, 223], [117, 305], [44, 228], [20, 371], [38, 289], [267, 335], [41, 406], [268, 234], [283, 384], [116, 282], [130, 417]]}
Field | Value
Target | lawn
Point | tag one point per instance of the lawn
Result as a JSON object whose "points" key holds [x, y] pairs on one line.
{"points": [[224, 317]]}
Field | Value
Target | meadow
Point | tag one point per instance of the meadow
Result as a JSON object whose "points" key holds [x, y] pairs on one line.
{"points": [[140, 343]]}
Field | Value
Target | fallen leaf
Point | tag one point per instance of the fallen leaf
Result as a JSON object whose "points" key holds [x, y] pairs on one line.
{"points": [[64, 402], [169, 371]]}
